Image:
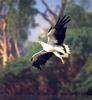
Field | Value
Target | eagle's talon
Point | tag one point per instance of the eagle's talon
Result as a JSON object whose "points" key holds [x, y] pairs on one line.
{"points": [[62, 60]]}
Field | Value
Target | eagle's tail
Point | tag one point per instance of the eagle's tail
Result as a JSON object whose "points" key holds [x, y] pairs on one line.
{"points": [[67, 48]]}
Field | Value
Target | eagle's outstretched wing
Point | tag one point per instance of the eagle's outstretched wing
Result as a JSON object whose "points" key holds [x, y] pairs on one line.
{"points": [[40, 58], [56, 34]]}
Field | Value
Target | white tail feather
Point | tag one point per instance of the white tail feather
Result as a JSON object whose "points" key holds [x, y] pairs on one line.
{"points": [[67, 49]]}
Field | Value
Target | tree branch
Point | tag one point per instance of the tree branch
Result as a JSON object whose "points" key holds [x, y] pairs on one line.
{"points": [[1, 56], [1, 43], [45, 17], [48, 8], [62, 9], [1, 51], [55, 16]]}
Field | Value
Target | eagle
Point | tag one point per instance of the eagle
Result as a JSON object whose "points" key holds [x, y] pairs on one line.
{"points": [[55, 44]]}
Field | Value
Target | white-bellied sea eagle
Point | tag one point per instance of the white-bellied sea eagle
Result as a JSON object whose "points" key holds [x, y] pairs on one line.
{"points": [[55, 45]]}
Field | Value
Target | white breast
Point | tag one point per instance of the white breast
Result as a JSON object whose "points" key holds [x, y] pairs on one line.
{"points": [[59, 49], [46, 47]]}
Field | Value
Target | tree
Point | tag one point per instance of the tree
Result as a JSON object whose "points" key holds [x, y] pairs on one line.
{"points": [[85, 3], [16, 16], [3, 42], [80, 17], [26, 16], [52, 14]]}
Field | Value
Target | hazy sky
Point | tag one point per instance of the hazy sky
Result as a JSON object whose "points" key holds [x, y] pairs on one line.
{"points": [[44, 24]]}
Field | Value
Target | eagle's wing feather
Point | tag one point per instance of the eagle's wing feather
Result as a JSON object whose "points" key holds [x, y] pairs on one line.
{"points": [[41, 58], [56, 34]]}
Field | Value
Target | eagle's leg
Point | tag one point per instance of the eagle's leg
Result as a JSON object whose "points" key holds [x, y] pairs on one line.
{"points": [[65, 55], [59, 56]]}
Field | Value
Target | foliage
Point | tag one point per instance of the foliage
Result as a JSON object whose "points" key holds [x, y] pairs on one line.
{"points": [[80, 43], [32, 48], [84, 78], [20, 16], [26, 15], [80, 17], [80, 39], [16, 66], [57, 75], [53, 78], [16, 15]]}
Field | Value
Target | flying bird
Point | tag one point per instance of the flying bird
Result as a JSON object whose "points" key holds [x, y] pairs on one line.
{"points": [[55, 44]]}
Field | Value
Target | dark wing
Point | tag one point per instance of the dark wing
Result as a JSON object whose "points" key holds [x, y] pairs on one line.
{"points": [[40, 59], [59, 31]]}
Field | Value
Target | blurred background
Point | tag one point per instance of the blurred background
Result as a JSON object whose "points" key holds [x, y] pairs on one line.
{"points": [[22, 23]]}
